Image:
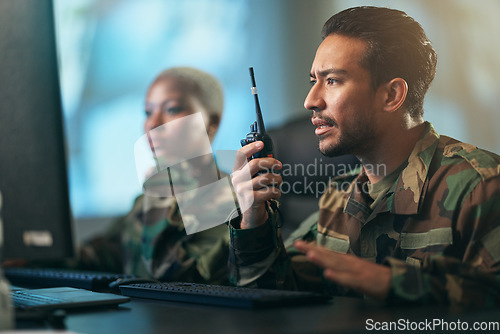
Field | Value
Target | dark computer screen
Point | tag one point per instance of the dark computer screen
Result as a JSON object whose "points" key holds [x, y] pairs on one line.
{"points": [[33, 177]]}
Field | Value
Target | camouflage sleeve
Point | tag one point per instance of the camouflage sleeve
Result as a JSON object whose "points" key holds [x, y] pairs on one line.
{"points": [[254, 253], [117, 245], [201, 257], [468, 282], [105, 251], [258, 257], [170, 253]]}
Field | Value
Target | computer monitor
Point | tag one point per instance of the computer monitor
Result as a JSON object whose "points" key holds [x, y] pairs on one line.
{"points": [[33, 176]]}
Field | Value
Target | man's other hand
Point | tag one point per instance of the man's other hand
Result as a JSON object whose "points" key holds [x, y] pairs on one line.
{"points": [[348, 270]]}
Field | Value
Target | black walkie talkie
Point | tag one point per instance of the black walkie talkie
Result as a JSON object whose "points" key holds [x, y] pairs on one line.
{"points": [[257, 129]]}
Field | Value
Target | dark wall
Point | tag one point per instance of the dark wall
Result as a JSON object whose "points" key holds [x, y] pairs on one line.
{"points": [[33, 179]]}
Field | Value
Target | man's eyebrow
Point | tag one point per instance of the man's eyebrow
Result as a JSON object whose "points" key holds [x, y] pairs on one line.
{"points": [[325, 73]]}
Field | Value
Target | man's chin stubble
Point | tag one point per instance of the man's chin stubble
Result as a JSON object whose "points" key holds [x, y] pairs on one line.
{"points": [[332, 150]]}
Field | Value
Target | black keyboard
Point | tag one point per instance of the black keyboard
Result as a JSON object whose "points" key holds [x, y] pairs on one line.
{"points": [[49, 278], [220, 295]]}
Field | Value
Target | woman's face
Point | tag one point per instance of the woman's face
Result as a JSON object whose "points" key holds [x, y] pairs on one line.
{"points": [[166, 101], [171, 134]]}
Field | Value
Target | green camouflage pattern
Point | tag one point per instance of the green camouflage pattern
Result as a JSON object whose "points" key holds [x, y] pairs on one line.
{"points": [[150, 241], [438, 228]]}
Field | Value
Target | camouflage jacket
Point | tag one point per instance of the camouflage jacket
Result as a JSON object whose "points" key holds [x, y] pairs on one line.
{"points": [[438, 228], [150, 241]]}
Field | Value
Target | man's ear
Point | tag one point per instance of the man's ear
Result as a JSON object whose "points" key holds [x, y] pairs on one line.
{"points": [[396, 91], [213, 124]]}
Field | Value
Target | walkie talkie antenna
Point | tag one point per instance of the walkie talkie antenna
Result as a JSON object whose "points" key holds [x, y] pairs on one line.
{"points": [[260, 122], [257, 129]]}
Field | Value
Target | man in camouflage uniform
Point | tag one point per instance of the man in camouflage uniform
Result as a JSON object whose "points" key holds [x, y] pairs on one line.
{"points": [[424, 228], [151, 240]]}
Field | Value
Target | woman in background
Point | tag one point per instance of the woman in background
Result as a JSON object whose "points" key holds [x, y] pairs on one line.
{"points": [[151, 240]]}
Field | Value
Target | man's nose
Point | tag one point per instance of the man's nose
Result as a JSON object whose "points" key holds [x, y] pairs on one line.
{"points": [[314, 99]]}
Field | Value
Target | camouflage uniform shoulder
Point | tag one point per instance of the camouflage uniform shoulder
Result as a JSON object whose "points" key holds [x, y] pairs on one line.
{"points": [[339, 187], [486, 164]]}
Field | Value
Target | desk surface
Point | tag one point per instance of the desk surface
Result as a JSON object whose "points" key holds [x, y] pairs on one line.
{"points": [[341, 315]]}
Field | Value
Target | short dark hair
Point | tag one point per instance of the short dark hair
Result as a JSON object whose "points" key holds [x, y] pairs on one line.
{"points": [[397, 47]]}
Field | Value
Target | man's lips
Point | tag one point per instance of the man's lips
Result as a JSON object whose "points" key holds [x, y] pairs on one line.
{"points": [[322, 126]]}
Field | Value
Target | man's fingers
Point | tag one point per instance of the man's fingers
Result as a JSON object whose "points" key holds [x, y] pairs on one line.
{"points": [[349, 270], [374, 281], [255, 165], [266, 194], [261, 184], [255, 183], [307, 247], [331, 261], [263, 180], [266, 180], [341, 278], [246, 152], [321, 256], [323, 259], [241, 175], [266, 165], [303, 246]]}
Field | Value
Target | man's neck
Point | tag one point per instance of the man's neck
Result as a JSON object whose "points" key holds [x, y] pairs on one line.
{"points": [[391, 150]]}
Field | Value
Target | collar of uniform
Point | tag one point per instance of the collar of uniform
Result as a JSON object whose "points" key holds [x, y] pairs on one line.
{"points": [[404, 197], [357, 204], [411, 185]]}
